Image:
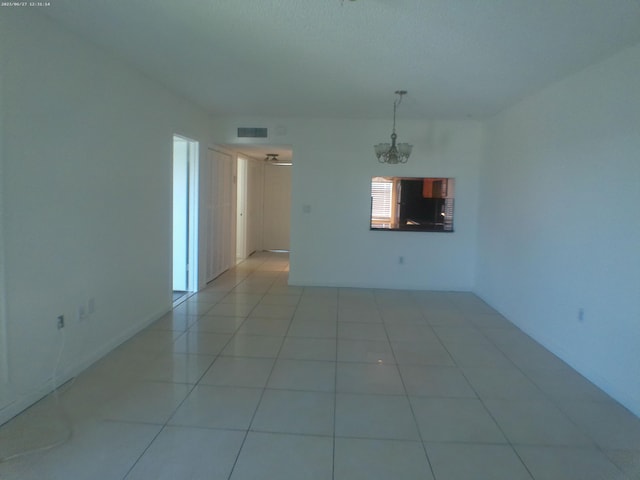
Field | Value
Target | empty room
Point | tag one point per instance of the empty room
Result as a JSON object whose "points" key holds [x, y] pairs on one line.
{"points": [[348, 239]]}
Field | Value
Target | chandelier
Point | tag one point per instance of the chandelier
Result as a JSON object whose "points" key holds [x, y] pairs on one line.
{"points": [[394, 153]]}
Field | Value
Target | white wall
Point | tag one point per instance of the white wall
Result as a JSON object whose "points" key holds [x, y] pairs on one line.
{"points": [[277, 208], [333, 166], [87, 147], [559, 224], [4, 359], [255, 214]]}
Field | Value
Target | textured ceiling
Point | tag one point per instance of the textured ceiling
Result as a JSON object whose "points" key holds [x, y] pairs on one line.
{"points": [[328, 58]]}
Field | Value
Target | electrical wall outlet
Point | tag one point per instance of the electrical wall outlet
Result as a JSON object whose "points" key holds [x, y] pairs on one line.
{"points": [[60, 322], [81, 313]]}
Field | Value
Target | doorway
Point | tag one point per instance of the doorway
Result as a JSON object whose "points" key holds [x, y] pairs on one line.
{"points": [[241, 210], [185, 215], [277, 207]]}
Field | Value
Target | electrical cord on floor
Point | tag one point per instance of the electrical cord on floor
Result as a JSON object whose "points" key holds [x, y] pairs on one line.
{"points": [[63, 414]]}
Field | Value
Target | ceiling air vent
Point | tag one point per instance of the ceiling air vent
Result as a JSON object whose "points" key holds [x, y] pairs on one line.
{"points": [[252, 132]]}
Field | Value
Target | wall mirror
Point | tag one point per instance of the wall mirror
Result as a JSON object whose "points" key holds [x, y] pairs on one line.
{"points": [[412, 204]]}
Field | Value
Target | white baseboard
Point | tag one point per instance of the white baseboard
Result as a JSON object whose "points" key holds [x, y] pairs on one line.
{"points": [[15, 406]]}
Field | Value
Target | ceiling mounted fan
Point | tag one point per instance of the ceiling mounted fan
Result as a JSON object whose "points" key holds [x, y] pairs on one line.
{"points": [[272, 159]]}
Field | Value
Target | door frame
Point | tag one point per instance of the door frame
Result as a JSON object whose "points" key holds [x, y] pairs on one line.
{"points": [[242, 171], [192, 178]]}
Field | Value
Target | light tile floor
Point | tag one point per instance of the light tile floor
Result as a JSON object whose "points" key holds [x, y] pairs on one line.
{"points": [[253, 379]]}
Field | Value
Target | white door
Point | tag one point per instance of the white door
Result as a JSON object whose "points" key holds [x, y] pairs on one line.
{"points": [[220, 250], [241, 209]]}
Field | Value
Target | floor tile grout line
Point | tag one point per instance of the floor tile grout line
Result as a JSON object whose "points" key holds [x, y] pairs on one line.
{"points": [[495, 421], [406, 395], [556, 401], [191, 389], [479, 398], [544, 394], [262, 393], [513, 449], [144, 451], [523, 372], [424, 316], [594, 444]]}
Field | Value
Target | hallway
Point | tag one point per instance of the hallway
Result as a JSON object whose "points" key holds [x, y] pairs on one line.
{"points": [[253, 379]]}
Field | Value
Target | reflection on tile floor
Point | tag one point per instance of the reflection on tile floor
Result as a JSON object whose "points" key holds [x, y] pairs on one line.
{"points": [[253, 379]]}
